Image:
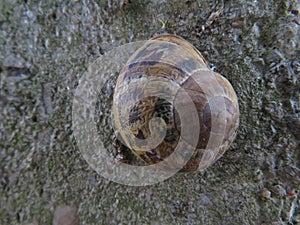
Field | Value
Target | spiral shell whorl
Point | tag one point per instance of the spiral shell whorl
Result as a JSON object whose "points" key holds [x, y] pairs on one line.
{"points": [[165, 74]]}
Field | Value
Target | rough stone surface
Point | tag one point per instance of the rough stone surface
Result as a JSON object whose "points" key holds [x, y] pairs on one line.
{"points": [[46, 46], [65, 215]]}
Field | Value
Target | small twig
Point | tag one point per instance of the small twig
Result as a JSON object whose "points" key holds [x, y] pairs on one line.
{"points": [[163, 24], [213, 16]]}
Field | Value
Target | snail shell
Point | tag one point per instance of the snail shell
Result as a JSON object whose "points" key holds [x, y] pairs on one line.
{"points": [[167, 96]]}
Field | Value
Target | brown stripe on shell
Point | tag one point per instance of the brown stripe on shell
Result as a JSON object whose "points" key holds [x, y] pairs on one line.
{"points": [[180, 41], [151, 68], [167, 51]]}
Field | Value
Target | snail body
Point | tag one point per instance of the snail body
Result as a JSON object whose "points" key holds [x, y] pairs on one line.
{"points": [[167, 97]]}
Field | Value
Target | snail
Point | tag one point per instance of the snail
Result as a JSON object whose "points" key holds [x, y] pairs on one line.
{"points": [[167, 100]]}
